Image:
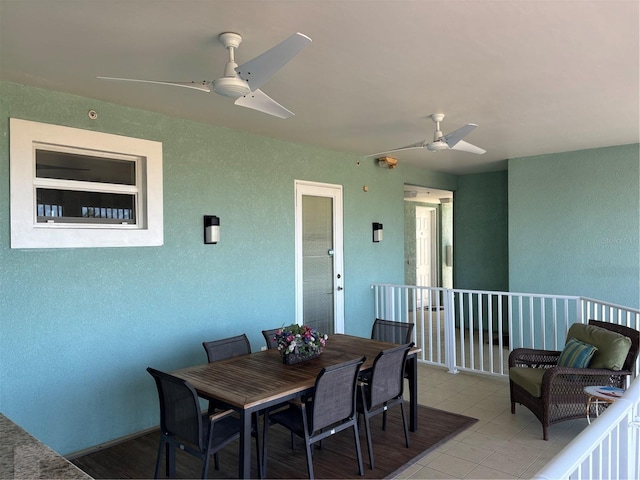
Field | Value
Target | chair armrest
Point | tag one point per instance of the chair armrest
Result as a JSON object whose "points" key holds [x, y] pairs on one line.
{"points": [[529, 357], [216, 417], [566, 379], [297, 403]]}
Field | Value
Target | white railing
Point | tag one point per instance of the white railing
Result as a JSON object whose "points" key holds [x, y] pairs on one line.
{"points": [[475, 330], [609, 448]]}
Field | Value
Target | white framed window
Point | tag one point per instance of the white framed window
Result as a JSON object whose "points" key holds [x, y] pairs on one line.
{"points": [[74, 188]]}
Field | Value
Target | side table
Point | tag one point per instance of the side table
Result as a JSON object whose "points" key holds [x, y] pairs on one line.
{"points": [[601, 396]]}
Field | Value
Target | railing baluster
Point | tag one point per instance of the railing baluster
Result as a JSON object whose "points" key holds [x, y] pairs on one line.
{"points": [[473, 308]]}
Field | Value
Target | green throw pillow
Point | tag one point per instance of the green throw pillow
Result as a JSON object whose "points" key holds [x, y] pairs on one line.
{"points": [[612, 346], [576, 354]]}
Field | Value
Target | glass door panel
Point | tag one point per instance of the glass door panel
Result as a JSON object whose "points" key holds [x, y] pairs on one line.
{"points": [[317, 263]]}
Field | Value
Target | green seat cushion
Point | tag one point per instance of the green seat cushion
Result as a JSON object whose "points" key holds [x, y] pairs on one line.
{"points": [[613, 347], [576, 354], [528, 378]]}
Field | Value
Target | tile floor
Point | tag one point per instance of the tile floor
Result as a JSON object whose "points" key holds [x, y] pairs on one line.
{"points": [[500, 445]]}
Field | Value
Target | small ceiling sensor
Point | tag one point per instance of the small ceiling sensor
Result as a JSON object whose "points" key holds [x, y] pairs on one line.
{"points": [[92, 114]]}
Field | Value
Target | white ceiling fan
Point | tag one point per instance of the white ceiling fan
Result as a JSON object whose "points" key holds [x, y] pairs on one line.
{"points": [[450, 141], [243, 82]]}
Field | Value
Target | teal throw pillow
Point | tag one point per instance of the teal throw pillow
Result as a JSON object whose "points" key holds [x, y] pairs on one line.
{"points": [[576, 354]]}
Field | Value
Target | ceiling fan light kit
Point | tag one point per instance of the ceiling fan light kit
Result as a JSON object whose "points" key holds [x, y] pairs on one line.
{"points": [[243, 82]]}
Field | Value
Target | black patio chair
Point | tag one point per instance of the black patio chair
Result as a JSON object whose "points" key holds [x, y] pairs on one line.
{"points": [[393, 332], [182, 424], [331, 409], [269, 336], [383, 390], [227, 348]]}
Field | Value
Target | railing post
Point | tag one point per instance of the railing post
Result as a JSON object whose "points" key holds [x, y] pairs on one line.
{"points": [[449, 331]]}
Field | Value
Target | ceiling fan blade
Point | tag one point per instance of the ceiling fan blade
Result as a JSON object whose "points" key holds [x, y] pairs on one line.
{"points": [[258, 71], [202, 86], [454, 137], [421, 144], [260, 101], [463, 146]]}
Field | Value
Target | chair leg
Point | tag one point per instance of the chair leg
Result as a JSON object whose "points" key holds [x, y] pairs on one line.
{"points": [[309, 459], [216, 461], [367, 429], [159, 459], [205, 464], [356, 435], [171, 460], [404, 424], [513, 408]]}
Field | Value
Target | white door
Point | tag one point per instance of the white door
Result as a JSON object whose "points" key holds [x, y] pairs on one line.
{"points": [[318, 251], [426, 240]]}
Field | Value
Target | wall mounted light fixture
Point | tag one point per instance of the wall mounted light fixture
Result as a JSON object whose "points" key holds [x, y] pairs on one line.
{"points": [[211, 229], [377, 232]]}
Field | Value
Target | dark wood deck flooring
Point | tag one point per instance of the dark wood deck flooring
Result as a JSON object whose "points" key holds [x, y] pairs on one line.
{"points": [[337, 459]]}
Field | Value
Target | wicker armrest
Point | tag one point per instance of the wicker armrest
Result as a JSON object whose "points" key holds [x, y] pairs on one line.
{"points": [[529, 357], [578, 378]]}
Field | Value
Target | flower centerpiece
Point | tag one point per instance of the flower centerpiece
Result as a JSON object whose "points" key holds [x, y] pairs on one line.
{"points": [[298, 343]]}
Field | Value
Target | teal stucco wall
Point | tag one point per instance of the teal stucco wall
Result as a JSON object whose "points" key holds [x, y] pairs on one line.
{"points": [[79, 326], [574, 224], [480, 232]]}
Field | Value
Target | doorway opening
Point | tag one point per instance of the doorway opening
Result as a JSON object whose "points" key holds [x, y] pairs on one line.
{"points": [[428, 219]]}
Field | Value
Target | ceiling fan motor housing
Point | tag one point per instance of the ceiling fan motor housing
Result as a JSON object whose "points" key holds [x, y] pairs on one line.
{"points": [[233, 87], [437, 146]]}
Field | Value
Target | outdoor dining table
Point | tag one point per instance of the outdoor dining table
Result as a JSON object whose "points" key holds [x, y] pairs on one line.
{"points": [[254, 382]]}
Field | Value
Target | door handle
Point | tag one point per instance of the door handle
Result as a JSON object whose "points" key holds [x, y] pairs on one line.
{"points": [[340, 288]]}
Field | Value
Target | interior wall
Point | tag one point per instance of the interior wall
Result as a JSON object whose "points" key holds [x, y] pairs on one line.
{"points": [[80, 326], [574, 224]]}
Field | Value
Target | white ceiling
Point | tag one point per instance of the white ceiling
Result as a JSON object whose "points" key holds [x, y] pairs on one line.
{"points": [[536, 76]]}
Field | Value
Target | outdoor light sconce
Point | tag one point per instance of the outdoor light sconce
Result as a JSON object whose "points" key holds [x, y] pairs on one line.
{"points": [[211, 229], [377, 232]]}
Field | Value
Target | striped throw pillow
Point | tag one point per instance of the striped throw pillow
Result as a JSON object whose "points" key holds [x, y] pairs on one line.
{"points": [[576, 354]]}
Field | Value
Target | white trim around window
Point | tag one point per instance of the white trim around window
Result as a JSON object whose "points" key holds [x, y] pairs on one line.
{"points": [[27, 137]]}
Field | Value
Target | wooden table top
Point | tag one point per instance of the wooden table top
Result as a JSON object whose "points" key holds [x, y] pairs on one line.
{"points": [[248, 381]]}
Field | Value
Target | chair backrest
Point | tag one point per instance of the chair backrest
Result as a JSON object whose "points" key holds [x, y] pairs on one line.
{"points": [[269, 336], [227, 348], [387, 375], [634, 335], [180, 414], [334, 396], [389, 331]]}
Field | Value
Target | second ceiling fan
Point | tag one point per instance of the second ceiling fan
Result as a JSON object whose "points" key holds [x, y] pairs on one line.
{"points": [[450, 141]]}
